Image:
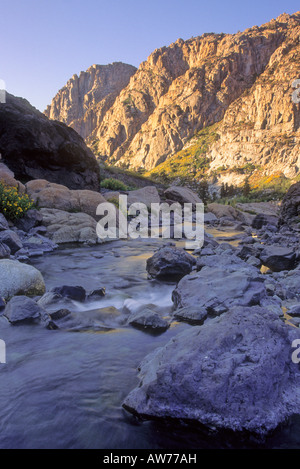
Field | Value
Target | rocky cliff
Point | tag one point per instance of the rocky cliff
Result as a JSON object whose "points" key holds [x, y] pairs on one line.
{"points": [[243, 81], [85, 99]]}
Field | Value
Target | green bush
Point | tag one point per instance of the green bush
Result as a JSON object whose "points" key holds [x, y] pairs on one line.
{"points": [[12, 204], [113, 185]]}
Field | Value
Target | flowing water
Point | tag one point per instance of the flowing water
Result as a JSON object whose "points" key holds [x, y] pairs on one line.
{"points": [[62, 389]]}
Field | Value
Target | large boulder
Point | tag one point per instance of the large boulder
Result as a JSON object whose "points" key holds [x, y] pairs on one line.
{"points": [[34, 147], [290, 206], [147, 195], [65, 227], [235, 372], [49, 195], [182, 195], [19, 279], [170, 262], [218, 288], [228, 211]]}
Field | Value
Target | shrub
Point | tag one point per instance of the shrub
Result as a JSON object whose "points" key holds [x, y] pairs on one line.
{"points": [[12, 204], [113, 184]]}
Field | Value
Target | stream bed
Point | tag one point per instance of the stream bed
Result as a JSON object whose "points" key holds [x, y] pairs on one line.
{"points": [[62, 389]]}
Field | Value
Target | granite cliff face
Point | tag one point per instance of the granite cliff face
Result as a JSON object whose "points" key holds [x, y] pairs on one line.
{"points": [[85, 99], [244, 81]]}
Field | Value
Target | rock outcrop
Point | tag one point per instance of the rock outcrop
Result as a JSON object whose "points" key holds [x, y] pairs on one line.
{"points": [[33, 147], [85, 99]]}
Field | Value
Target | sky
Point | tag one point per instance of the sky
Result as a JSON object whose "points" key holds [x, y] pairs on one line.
{"points": [[45, 42]]}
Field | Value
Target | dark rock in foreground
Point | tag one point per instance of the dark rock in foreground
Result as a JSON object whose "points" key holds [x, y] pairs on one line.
{"points": [[235, 372], [34, 147], [170, 262]]}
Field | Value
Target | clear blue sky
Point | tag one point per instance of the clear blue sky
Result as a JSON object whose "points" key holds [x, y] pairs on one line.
{"points": [[44, 42]]}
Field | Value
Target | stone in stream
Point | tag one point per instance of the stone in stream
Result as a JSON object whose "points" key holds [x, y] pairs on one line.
{"points": [[19, 279], [218, 288], [170, 262], [21, 309], [99, 292], [148, 320], [76, 293], [235, 372]]}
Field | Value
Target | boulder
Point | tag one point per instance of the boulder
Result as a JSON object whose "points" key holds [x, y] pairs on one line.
{"points": [[262, 220], [217, 289], [31, 219], [278, 258], [19, 279], [76, 293], [11, 239], [235, 373], [147, 195], [21, 309], [182, 195], [65, 227], [148, 320], [290, 206], [226, 211], [50, 195], [34, 147], [170, 262], [7, 178], [3, 223]]}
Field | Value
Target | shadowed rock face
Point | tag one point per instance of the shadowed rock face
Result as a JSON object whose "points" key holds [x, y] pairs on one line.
{"points": [[35, 148], [290, 207]]}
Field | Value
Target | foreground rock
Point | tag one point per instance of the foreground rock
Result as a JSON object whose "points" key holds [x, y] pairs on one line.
{"points": [[19, 279], [170, 262], [235, 373], [44, 149]]}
